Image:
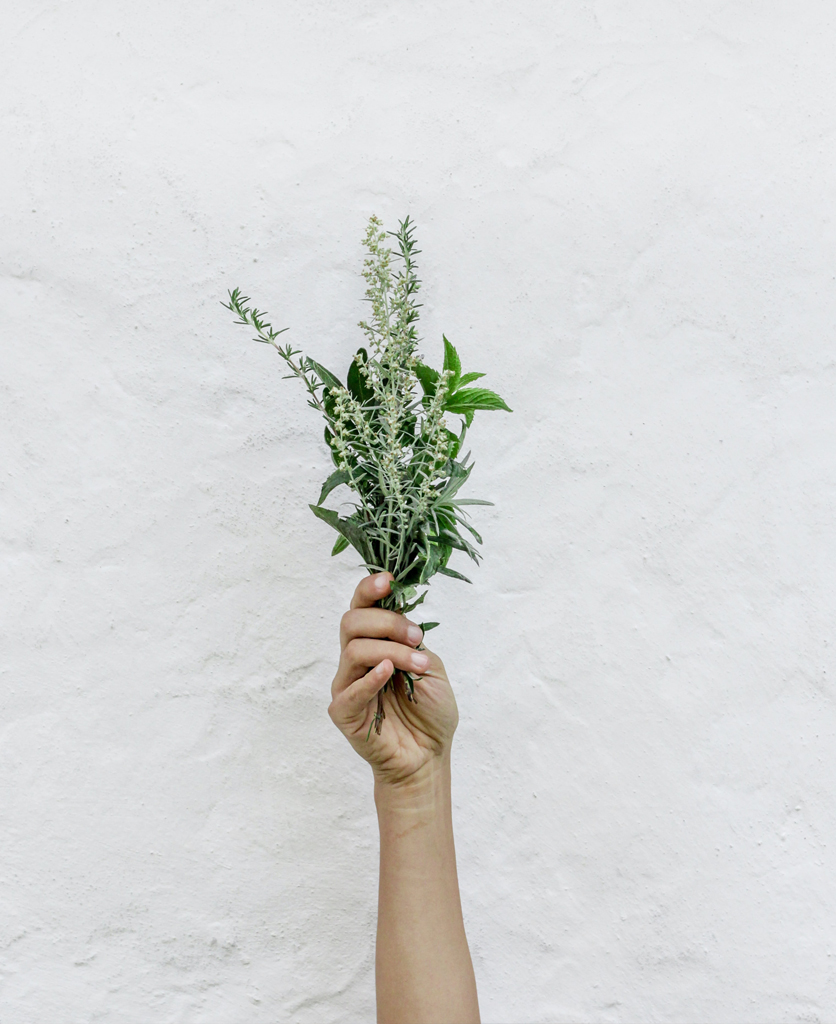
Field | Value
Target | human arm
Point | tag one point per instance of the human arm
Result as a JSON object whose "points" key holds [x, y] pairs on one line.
{"points": [[423, 969]]}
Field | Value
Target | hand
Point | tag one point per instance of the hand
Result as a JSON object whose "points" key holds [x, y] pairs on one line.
{"points": [[415, 736]]}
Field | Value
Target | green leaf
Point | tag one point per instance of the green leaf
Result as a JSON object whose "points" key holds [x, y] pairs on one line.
{"points": [[458, 475], [471, 501], [439, 553], [403, 590], [470, 399], [356, 381], [468, 378], [452, 362], [406, 434], [334, 480], [467, 526], [454, 540], [407, 608], [402, 597], [324, 375], [428, 377], [381, 479], [352, 531], [455, 443], [340, 544], [329, 437], [455, 575], [427, 626]]}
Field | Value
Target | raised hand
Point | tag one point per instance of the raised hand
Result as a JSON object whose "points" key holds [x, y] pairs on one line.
{"points": [[415, 735]]}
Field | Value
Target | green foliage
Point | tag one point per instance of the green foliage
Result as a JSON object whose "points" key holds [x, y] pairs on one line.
{"points": [[387, 432]]}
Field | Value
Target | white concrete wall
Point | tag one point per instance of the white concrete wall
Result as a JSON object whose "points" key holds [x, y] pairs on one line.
{"points": [[627, 213]]}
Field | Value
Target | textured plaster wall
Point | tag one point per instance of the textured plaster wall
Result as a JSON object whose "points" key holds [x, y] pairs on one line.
{"points": [[626, 211]]}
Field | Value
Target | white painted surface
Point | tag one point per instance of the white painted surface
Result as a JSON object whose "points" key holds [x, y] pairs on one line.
{"points": [[626, 212]]}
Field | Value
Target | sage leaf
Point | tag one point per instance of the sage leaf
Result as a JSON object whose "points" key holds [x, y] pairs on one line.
{"points": [[340, 544], [452, 573], [350, 530], [324, 375], [340, 476], [355, 381]]}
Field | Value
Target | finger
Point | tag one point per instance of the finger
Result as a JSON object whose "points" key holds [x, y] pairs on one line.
{"points": [[362, 653], [378, 622], [351, 703], [371, 589]]}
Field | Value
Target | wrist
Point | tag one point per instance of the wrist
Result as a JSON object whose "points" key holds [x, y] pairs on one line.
{"points": [[427, 789]]}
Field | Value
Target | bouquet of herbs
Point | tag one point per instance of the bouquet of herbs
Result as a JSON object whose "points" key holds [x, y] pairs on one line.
{"points": [[387, 431]]}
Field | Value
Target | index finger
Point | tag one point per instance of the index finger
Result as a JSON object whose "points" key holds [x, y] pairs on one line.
{"points": [[371, 589]]}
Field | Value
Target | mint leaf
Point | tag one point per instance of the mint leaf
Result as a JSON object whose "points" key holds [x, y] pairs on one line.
{"points": [[452, 362], [468, 378], [428, 378], [471, 399]]}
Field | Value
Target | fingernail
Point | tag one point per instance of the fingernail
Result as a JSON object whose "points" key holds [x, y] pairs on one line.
{"points": [[415, 634], [420, 661], [381, 582]]}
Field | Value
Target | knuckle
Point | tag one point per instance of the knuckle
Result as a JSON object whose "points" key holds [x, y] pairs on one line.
{"points": [[392, 621], [354, 652], [354, 699]]}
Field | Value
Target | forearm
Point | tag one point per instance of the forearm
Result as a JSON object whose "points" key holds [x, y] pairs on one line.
{"points": [[423, 967]]}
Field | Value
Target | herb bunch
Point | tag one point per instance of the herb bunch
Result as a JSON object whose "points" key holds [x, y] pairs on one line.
{"points": [[387, 432]]}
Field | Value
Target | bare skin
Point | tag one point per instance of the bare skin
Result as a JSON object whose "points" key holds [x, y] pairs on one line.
{"points": [[423, 968]]}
